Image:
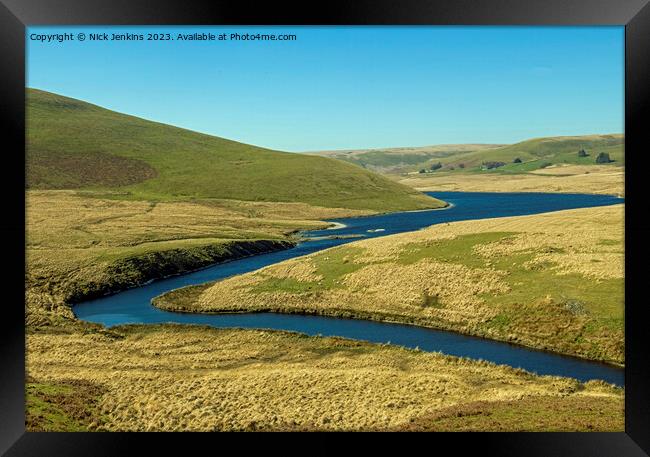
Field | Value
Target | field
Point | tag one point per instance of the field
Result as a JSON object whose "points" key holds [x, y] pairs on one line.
{"points": [[173, 378], [75, 145], [588, 179], [80, 245], [550, 281]]}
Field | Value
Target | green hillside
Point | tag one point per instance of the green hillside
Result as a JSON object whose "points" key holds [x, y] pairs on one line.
{"points": [[75, 145], [541, 152]]}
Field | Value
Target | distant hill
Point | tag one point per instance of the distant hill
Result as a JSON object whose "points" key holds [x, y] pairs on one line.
{"points": [[72, 144], [396, 160], [542, 152], [533, 155]]}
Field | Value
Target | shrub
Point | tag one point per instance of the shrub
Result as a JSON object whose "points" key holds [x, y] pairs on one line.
{"points": [[491, 165], [461, 165], [517, 160], [603, 157], [422, 170], [436, 166], [582, 153]]}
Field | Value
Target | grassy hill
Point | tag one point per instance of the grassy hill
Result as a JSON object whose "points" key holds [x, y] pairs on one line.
{"points": [[396, 160], [540, 153], [77, 145], [534, 154]]}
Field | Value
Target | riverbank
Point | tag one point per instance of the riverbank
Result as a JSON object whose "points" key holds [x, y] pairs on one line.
{"points": [[524, 280], [84, 245]]}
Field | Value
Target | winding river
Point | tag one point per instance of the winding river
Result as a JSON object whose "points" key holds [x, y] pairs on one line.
{"points": [[134, 305]]}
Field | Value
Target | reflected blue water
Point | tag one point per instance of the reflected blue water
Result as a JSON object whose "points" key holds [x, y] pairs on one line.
{"points": [[134, 305]]}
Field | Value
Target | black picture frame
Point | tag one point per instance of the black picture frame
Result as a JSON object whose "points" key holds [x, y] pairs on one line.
{"points": [[15, 15]]}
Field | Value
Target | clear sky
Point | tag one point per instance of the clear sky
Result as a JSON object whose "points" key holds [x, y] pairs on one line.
{"points": [[350, 87]]}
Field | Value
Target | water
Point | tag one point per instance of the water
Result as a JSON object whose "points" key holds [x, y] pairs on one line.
{"points": [[134, 305]]}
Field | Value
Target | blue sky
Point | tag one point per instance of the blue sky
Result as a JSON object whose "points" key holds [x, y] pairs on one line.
{"points": [[351, 87]]}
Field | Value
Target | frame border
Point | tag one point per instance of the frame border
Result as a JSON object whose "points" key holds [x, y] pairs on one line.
{"points": [[15, 15]]}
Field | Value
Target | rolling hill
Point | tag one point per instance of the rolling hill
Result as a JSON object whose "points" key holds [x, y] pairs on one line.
{"points": [[534, 154], [72, 144], [541, 152]]}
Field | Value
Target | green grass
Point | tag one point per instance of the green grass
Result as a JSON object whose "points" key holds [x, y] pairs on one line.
{"points": [[534, 154], [540, 152], [457, 250], [66, 406], [331, 265], [528, 285], [73, 144], [538, 296]]}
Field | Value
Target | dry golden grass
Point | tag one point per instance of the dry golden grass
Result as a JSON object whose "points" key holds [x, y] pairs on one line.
{"points": [[551, 281], [592, 179], [175, 378], [68, 220], [75, 240], [82, 376]]}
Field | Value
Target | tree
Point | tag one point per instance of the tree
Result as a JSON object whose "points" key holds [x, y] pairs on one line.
{"points": [[423, 171], [436, 166], [582, 153], [603, 157], [461, 165], [517, 160]]}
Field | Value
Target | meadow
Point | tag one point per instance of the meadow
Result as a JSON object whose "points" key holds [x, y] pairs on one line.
{"points": [[551, 281], [190, 378], [565, 178], [82, 244]]}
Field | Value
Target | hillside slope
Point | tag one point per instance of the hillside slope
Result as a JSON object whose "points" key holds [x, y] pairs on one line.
{"points": [[76, 145], [538, 153]]}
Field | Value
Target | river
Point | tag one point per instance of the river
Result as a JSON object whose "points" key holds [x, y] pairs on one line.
{"points": [[134, 305]]}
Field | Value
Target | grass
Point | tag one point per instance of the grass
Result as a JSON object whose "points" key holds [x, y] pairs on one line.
{"points": [[81, 244], [458, 250], [535, 154], [525, 279], [327, 271], [541, 152], [547, 165], [63, 406], [75, 145], [588, 179], [554, 414], [191, 378]]}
